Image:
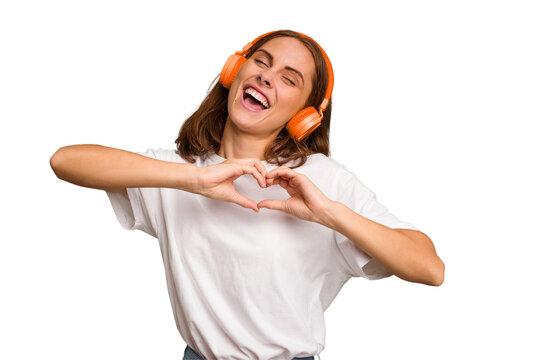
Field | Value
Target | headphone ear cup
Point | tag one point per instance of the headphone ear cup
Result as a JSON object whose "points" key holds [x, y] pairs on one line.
{"points": [[230, 69], [304, 123]]}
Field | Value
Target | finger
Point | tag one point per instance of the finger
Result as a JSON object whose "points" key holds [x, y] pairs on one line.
{"points": [[248, 169], [262, 171], [254, 162], [282, 171], [277, 180], [284, 183], [272, 204], [251, 170], [261, 168], [243, 201]]}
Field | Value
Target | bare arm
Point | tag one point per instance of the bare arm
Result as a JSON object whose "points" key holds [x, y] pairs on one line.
{"points": [[111, 169], [408, 254]]}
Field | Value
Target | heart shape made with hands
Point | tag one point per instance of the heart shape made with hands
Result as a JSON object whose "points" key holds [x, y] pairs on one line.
{"points": [[306, 200]]}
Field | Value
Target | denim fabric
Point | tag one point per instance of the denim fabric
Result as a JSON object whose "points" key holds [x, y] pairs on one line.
{"points": [[190, 354]]}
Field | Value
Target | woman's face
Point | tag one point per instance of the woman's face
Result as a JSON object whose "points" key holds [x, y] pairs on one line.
{"points": [[271, 87]]}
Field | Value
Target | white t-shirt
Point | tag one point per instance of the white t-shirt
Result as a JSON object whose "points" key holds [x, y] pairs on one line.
{"points": [[246, 285]]}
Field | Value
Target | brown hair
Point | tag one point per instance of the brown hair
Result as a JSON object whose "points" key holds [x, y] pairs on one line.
{"points": [[202, 131]]}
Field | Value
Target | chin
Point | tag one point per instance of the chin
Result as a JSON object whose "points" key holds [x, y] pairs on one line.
{"points": [[241, 116], [245, 123]]}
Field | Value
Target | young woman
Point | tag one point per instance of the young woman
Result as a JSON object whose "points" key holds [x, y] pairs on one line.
{"points": [[258, 227]]}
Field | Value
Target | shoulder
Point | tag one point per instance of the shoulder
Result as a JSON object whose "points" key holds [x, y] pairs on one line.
{"points": [[319, 160], [327, 170], [325, 164], [339, 182]]}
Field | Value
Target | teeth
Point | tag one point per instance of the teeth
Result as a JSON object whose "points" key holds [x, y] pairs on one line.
{"points": [[257, 95]]}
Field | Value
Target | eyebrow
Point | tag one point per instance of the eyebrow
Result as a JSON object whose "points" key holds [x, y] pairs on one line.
{"points": [[286, 67]]}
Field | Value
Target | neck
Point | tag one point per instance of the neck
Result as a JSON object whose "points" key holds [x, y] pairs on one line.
{"points": [[240, 145]]}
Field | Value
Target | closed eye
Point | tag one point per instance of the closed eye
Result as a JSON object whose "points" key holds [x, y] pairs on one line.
{"points": [[289, 80], [260, 62]]}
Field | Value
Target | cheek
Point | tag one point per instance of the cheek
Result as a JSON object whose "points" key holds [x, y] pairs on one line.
{"points": [[296, 100], [240, 74], [235, 84], [307, 94], [233, 92]]}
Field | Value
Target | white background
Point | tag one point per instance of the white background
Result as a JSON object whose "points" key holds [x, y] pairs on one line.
{"points": [[434, 110]]}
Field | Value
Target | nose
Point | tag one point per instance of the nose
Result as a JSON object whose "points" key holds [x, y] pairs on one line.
{"points": [[265, 78]]}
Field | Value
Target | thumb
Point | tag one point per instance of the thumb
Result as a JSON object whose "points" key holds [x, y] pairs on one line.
{"points": [[244, 201], [272, 204]]}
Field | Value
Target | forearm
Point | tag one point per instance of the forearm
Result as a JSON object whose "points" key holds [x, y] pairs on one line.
{"points": [[410, 258], [102, 167]]}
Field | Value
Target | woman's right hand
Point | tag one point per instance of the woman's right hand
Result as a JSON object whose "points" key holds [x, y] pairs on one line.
{"points": [[216, 181]]}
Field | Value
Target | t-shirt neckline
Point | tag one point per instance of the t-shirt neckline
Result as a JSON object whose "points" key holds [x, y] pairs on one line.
{"points": [[215, 159]]}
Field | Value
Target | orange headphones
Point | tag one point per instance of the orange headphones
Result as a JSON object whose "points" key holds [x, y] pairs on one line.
{"points": [[305, 121]]}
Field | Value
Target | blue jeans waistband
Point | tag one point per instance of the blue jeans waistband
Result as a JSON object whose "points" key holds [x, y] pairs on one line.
{"points": [[190, 354]]}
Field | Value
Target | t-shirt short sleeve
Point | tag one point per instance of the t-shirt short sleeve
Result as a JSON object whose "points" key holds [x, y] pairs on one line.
{"points": [[356, 196], [139, 210]]}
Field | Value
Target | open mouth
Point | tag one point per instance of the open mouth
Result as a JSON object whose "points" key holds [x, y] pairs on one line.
{"points": [[255, 100]]}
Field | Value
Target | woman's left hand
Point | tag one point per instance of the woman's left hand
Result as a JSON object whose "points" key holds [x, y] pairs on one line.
{"points": [[307, 201]]}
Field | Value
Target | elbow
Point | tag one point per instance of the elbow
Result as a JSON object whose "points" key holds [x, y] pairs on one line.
{"points": [[61, 159], [437, 274], [56, 161]]}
